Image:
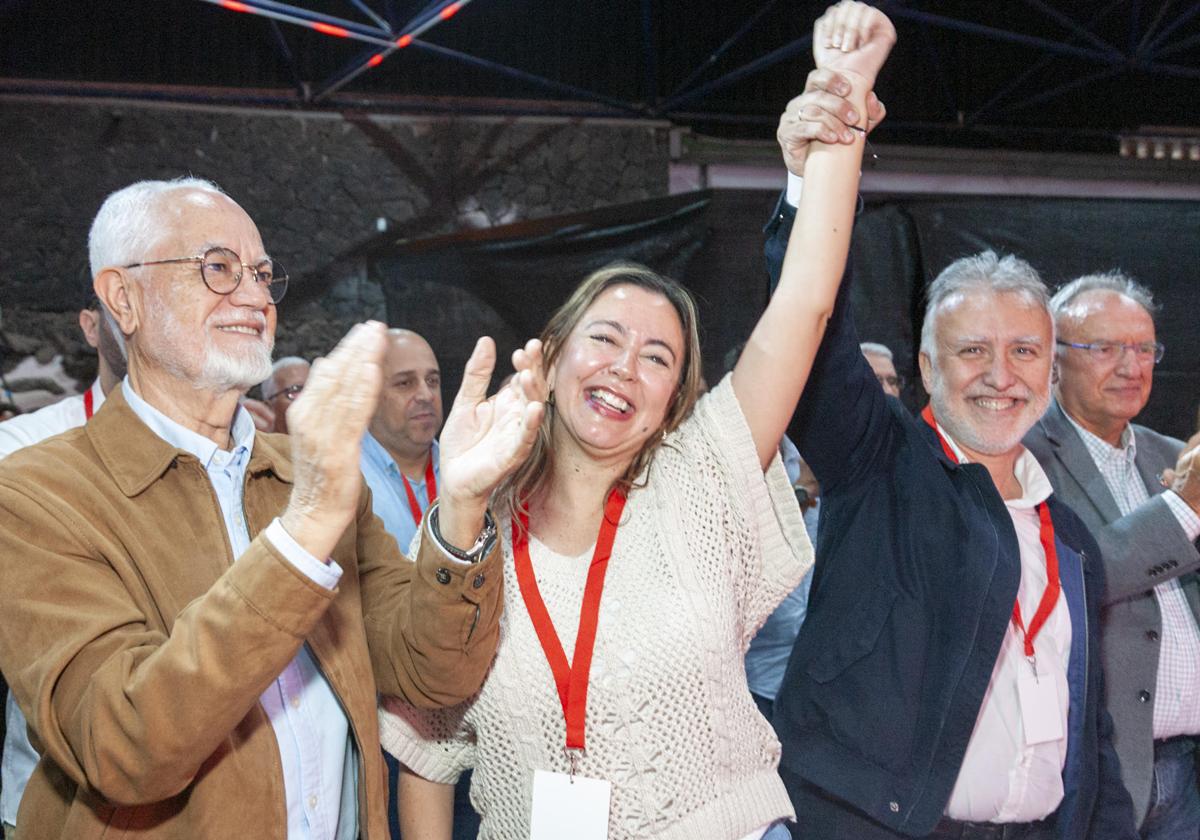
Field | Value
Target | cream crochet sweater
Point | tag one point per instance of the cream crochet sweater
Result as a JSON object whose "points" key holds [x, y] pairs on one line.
{"points": [[704, 553]]}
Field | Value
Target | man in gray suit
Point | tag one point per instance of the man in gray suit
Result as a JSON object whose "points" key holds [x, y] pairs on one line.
{"points": [[1107, 469]]}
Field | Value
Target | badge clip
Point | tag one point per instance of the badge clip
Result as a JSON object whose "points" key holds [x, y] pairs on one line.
{"points": [[573, 755]]}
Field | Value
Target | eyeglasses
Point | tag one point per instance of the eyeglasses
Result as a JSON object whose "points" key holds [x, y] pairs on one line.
{"points": [[1146, 352], [221, 271], [289, 393], [896, 381]]}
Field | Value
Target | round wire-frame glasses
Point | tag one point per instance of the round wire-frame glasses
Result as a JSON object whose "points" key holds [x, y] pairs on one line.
{"points": [[221, 271]]}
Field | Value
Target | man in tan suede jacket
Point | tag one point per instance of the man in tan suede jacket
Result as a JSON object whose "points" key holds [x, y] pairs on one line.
{"points": [[197, 617]]}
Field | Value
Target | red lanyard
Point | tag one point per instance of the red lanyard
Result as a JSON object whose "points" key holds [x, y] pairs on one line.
{"points": [[430, 490], [571, 680], [1046, 535], [88, 403]]}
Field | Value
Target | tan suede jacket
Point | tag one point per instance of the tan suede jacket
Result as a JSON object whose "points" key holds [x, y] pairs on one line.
{"points": [[138, 649]]}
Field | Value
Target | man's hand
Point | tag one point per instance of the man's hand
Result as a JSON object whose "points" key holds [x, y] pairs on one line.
{"points": [[823, 112], [1186, 479], [327, 422], [853, 39], [486, 439]]}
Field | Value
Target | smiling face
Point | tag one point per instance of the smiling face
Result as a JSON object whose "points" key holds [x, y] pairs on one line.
{"points": [[617, 373], [989, 380], [409, 414], [1103, 396], [214, 342]]}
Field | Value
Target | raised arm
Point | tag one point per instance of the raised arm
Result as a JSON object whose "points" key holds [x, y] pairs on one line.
{"points": [[426, 808], [853, 40]]}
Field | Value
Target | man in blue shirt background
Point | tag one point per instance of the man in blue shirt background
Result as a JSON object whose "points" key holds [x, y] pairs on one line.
{"points": [[399, 452], [400, 464]]}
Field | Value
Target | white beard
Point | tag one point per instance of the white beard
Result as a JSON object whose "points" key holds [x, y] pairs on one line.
{"points": [[225, 371], [965, 430], [219, 371]]}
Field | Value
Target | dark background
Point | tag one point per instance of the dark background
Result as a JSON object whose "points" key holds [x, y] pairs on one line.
{"points": [[1044, 75], [1033, 74], [712, 241]]}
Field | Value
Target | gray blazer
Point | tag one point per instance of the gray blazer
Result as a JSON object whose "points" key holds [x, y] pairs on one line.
{"points": [[1140, 551]]}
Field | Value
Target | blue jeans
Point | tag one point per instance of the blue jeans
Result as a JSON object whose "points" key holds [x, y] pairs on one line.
{"points": [[1174, 812]]}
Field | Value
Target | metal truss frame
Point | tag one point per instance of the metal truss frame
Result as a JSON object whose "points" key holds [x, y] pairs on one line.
{"points": [[1152, 45]]}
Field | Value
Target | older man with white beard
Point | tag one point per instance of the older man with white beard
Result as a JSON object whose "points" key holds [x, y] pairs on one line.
{"points": [[198, 617], [946, 682]]}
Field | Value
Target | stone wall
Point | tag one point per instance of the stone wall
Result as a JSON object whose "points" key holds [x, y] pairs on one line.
{"points": [[318, 184]]}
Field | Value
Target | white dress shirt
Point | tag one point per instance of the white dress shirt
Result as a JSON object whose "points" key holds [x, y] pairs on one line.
{"points": [[1002, 779]]}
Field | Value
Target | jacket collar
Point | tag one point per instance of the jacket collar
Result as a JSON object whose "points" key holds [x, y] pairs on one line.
{"points": [[136, 457], [1055, 424], [1074, 457], [935, 442]]}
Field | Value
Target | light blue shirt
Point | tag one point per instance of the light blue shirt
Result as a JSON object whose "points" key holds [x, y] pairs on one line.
{"points": [[769, 651], [388, 499], [316, 747]]}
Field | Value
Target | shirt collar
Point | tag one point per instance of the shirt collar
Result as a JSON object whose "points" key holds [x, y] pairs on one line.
{"points": [[1126, 448], [375, 452], [1035, 484], [241, 432]]}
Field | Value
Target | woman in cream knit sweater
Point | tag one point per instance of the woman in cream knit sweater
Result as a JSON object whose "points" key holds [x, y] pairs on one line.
{"points": [[617, 706]]}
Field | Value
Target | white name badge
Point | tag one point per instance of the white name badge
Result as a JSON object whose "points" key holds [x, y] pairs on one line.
{"points": [[569, 806], [1040, 712]]}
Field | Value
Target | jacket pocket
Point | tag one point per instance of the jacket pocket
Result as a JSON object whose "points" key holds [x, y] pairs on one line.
{"points": [[857, 634]]}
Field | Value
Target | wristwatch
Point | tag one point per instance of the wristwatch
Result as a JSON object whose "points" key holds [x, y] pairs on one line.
{"points": [[483, 543]]}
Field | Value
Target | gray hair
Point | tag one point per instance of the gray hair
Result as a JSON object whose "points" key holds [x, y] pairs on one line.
{"points": [[876, 348], [268, 386], [130, 222], [985, 272], [1106, 281]]}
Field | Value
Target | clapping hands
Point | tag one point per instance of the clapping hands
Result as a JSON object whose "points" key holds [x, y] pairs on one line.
{"points": [[484, 440]]}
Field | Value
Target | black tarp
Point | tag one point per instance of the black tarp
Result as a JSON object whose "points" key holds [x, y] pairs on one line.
{"points": [[506, 281]]}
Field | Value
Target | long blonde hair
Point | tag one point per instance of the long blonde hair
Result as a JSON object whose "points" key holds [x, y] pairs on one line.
{"points": [[515, 492]]}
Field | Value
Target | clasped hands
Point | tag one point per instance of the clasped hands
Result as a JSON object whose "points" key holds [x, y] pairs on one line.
{"points": [[483, 440]]}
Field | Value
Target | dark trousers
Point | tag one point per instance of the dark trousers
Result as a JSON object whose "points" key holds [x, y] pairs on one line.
{"points": [[820, 816]]}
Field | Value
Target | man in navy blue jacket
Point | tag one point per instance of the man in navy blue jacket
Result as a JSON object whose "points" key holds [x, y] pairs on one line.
{"points": [[918, 701]]}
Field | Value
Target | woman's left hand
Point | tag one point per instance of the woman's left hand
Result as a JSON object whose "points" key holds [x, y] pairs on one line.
{"points": [[853, 38], [484, 440]]}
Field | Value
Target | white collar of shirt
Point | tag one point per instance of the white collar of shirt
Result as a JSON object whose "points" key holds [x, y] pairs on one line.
{"points": [[1035, 484], [242, 431]]}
